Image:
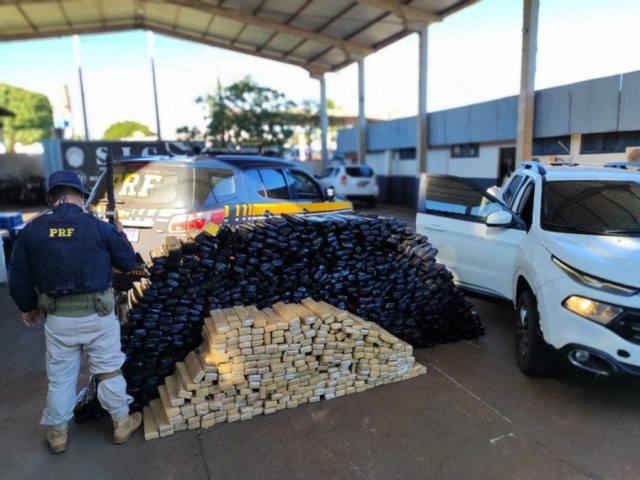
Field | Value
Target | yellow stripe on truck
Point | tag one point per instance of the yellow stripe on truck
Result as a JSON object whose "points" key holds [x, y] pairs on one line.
{"points": [[259, 209]]}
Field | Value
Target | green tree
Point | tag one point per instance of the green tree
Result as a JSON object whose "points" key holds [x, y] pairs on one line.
{"points": [[125, 129], [188, 133], [308, 117], [247, 114], [33, 119]]}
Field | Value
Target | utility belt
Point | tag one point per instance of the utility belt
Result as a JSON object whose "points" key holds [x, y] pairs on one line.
{"points": [[79, 304]]}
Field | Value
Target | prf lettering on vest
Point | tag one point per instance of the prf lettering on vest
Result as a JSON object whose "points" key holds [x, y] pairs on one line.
{"points": [[61, 232]]}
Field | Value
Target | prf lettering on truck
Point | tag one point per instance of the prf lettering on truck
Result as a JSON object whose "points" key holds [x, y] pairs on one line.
{"points": [[134, 186]]}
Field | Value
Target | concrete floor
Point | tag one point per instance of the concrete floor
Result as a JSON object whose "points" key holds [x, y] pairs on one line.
{"points": [[472, 416]]}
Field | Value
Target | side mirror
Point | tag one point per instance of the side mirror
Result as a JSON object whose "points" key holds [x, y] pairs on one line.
{"points": [[330, 194], [500, 218]]}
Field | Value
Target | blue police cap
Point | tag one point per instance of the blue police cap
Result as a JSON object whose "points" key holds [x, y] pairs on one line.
{"points": [[68, 179]]}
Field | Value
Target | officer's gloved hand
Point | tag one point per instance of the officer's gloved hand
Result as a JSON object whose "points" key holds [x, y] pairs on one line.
{"points": [[117, 222], [31, 319]]}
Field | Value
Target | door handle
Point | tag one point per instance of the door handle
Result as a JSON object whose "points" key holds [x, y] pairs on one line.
{"points": [[435, 227]]}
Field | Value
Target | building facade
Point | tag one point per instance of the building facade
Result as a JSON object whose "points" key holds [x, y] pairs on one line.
{"points": [[590, 123]]}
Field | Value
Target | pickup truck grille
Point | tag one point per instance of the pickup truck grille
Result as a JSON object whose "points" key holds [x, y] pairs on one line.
{"points": [[628, 326]]}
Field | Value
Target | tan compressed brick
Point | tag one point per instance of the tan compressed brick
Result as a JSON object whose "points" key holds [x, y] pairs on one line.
{"points": [[150, 427]]}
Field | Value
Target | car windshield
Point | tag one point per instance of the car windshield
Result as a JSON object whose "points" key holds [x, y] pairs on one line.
{"points": [[148, 184], [597, 207], [359, 171]]}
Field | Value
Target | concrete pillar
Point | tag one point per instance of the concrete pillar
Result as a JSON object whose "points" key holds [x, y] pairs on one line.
{"points": [[362, 119], [388, 163], [324, 117], [576, 144], [421, 119], [526, 99], [324, 120]]}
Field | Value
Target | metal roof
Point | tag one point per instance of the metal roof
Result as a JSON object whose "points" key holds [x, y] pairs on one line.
{"points": [[318, 35]]}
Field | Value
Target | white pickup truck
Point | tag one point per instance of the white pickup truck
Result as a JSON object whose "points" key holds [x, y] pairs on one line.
{"points": [[562, 243]]}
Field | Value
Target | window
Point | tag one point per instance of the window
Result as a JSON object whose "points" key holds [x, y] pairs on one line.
{"points": [[453, 197], [215, 186], [406, 153], [525, 208], [275, 185], [551, 145], [611, 142], [303, 186], [470, 150], [255, 187], [327, 172], [509, 193], [359, 171], [592, 207], [147, 185]]}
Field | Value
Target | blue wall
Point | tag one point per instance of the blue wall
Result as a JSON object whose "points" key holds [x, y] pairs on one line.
{"points": [[601, 105]]}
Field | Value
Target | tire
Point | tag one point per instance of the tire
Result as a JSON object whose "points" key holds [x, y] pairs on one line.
{"points": [[535, 357]]}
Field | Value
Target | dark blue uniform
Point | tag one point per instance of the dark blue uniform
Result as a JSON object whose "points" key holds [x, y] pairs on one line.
{"points": [[66, 251]]}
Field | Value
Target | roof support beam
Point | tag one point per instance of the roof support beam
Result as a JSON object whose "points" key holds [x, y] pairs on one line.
{"points": [[64, 14], [23, 2], [27, 19], [187, 35], [245, 17], [101, 10], [407, 13]]}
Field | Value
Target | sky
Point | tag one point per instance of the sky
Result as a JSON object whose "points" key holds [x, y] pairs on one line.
{"points": [[474, 56]]}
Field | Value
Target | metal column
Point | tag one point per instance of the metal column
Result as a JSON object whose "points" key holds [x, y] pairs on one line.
{"points": [[362, 120], [324, 120], [421, 119], [78, 58], [324, 117], [151, 51], [526, 99]]}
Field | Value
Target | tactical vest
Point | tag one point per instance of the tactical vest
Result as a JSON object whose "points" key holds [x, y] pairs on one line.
{"points": [[67, 254]]}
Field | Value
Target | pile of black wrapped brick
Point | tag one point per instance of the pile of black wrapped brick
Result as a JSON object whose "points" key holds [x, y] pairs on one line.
{"points": [[374, 267]]}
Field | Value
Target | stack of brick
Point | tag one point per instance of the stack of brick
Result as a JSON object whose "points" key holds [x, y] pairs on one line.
{"points": [[254, 362]]}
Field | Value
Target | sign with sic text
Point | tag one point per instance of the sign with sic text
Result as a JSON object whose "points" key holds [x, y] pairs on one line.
{"points": [[87, 159]]}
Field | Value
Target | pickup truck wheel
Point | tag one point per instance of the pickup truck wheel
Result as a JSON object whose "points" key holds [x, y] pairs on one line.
{"points": [[534, 355]]}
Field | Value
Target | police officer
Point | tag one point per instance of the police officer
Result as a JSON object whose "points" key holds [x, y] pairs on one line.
{"points": [[61, 264]]}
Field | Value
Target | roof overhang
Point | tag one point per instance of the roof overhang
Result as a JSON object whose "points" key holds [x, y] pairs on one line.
{"points": [[318, 35]]}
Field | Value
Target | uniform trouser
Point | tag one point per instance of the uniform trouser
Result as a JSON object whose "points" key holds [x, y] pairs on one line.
{"points": [[66, 338]]}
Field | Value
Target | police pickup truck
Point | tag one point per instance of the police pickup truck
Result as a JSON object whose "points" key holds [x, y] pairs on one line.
{"points": [[562, 243]]}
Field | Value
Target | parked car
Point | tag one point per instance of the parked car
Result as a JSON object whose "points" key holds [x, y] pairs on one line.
{"points": [[562, 244], [183, 196], [635, 166], [354, 182]]}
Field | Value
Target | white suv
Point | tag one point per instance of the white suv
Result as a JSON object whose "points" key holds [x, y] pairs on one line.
{"points": [[354, 182], [562, 243]]}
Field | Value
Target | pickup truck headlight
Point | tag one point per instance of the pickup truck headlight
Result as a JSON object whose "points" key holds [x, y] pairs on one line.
{"points": [[595, 282], [599, 312]]}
